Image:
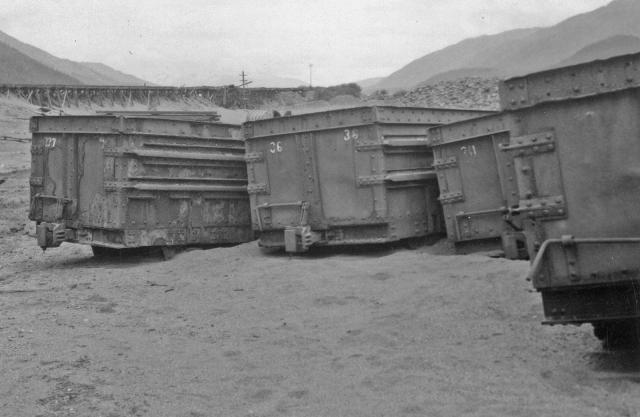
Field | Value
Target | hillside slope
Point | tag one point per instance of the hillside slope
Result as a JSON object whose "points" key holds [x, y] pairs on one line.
{"points": [[466, 53], [524, 50], [615, 45], [110, 75], [18, 68], [81, 73]]}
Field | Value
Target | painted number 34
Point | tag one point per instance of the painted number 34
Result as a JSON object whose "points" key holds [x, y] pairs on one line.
{"points": [[350, 134]]}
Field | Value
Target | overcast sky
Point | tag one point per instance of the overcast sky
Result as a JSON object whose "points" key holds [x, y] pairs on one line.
{"points": [[191, 42]]}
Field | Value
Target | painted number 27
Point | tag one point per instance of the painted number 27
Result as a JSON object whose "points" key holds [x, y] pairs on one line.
{"points": [[275, 147], [49, 142]]}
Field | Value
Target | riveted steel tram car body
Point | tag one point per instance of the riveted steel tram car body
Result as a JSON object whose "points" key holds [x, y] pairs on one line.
{"points": [[115, 181]]}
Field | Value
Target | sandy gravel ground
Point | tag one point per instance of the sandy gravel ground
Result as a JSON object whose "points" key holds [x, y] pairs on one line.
{"points": [[237, 332], [233, 331]]}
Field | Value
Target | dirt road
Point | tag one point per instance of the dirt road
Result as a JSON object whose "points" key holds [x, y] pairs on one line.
{"points": [[236, 332]]}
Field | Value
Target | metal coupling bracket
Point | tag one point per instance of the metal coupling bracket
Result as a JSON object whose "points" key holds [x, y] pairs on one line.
{"points": [[50, 235], [299, 238]]}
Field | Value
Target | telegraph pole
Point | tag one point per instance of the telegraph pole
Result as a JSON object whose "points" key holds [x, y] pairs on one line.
{"points": [[243, 84], [310, 68]]}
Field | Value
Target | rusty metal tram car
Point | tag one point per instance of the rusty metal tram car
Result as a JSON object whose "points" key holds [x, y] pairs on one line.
{"points": [[343, 177], [138, 179], [585, 255]]}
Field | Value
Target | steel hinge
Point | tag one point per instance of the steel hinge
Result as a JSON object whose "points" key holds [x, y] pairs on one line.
{"points": [[370, 180], [36, 180], [37, 149], [541, 207], [444, 163], [257, 188], [252, 157], [57, 208], [531, 144], [61, 200], [451, 197]]}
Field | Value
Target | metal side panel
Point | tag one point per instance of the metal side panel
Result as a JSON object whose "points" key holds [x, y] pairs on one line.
{"points": [[587, 279], [570, 261], [96, 206], [54, 191], [309, 123], [36, 180], [595, 183], [413, 211], [411, 189], [154, 126], [596, 304], [405, 147], [169, 185], [477, 186], [135, 167], [424, 116], [537, 173], [355, 117], [595, 148], [476, 180], [463, 130], [148, 183], [571, 82], [344, 175], [280, 177]]}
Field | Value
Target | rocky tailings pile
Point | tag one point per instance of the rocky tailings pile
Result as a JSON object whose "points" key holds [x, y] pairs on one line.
{"points": [[476, 93]]}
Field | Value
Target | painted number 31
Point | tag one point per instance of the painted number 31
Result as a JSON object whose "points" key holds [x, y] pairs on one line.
{"points": [[275, 147]]}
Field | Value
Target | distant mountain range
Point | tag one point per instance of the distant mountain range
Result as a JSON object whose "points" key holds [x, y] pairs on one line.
{"points": [[607, 31], [21, 63], [610, 30]]}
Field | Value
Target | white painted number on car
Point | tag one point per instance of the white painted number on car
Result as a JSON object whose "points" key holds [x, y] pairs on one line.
{"points": [[350, 134], [49, 142], [275, 147], [469, 150]]}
